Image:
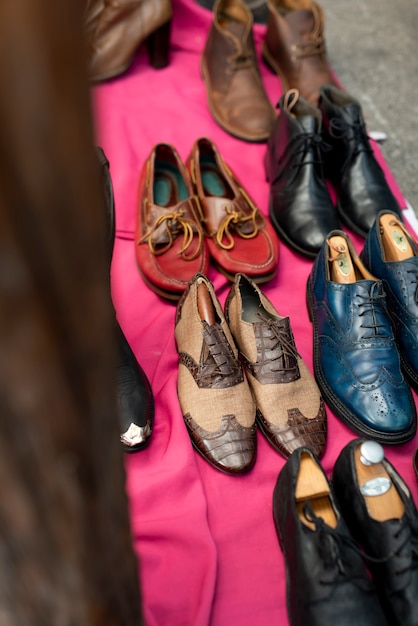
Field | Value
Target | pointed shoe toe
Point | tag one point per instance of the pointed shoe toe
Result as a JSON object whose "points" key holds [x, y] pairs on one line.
{"points": [[230, 448], [135, 399]]}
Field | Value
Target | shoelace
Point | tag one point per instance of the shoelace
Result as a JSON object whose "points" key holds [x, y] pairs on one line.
{"points": [[216, 359], [333, 546], [316, 42], [174, 223], [371, 306], [288, 354], [235, 219], [303, 144]]}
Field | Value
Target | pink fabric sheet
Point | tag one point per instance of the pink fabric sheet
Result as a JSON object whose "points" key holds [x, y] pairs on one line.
{"points": [[206, 542]]}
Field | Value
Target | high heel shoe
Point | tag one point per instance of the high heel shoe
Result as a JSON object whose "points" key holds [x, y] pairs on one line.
{"points": [[114, 32]]}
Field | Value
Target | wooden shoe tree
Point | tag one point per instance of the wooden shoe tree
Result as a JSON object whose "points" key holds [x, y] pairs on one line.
{"points": [[340, 261], [205, 305], [312, 487], [394, 239], [381, 507]]}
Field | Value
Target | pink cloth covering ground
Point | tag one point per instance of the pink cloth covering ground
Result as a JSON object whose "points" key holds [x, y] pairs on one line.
{"points": [[206, 541]]}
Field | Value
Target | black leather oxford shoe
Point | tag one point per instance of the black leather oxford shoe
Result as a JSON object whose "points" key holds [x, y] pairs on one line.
{"points": [[301, 208], [382, 517], [327, 581], [351, 166]]}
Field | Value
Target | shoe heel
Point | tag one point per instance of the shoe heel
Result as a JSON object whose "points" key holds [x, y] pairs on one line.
{"points": [[158, 44]]}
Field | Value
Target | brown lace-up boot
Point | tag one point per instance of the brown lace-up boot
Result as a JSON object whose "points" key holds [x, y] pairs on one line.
{"points": [[236, 95], [294, 46]]}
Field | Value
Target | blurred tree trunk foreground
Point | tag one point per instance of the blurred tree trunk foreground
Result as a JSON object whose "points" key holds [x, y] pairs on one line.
{"points": [[66, 554]]}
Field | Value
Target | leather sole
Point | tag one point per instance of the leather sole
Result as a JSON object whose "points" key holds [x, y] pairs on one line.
{"points": [[335, 404]]}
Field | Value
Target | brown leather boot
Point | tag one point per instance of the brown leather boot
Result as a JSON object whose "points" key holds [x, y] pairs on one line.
{"points": [[114, 32], [294, 46], [236, 95]]}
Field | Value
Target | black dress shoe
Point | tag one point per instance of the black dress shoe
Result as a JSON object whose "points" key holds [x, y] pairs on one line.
{"points": [[135, 399], [360, 183], [382, 517], [327, 582], [301, 208]]}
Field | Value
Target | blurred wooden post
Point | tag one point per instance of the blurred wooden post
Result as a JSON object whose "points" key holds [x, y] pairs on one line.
{"points": [[66, 555]]}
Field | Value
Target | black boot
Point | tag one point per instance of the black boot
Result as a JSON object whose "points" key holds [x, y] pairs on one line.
{"points": [[134, 393], [301, 208], [359, 181]]}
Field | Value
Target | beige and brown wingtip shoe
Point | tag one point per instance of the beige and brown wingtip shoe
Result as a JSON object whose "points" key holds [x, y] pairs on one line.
{"points": [[214, 395], [290, 410]]}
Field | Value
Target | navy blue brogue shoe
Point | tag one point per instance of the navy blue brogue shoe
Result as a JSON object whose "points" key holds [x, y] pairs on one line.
{"points": [[326, 579], [382, 517], [356, 360], [391, 254]]}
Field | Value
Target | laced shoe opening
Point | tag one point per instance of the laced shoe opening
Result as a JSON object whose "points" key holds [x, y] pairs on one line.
{"points": [[344, 265], [313, 488]]}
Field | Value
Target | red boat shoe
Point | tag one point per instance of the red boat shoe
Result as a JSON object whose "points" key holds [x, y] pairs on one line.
{"points": [[170, 245], [239, 238]]}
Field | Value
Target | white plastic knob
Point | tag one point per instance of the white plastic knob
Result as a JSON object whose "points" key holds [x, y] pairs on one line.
{"points": [[371, 452]]}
